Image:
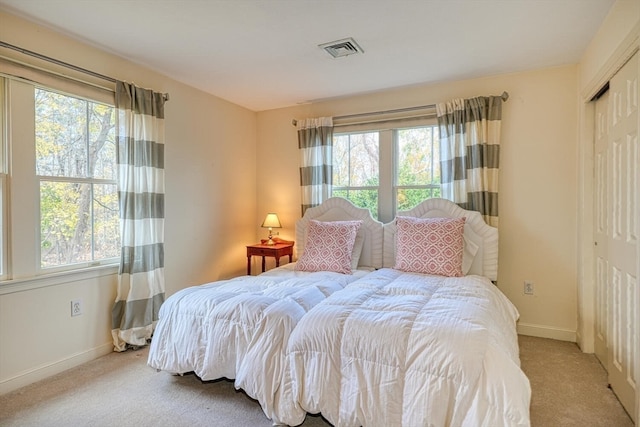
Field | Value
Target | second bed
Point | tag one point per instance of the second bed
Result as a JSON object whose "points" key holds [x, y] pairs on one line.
{"points": [[402, 347]]}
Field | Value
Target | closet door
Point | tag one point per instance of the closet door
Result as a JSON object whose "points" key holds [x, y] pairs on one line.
{"points": [[601, 210], [622, 235]]}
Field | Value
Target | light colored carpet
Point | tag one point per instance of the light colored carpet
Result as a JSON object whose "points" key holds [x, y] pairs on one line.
{"points": [[569, 389]]}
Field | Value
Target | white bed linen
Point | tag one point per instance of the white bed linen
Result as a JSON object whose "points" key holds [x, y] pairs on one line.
{"points": [[238, 328], [403, 349]]}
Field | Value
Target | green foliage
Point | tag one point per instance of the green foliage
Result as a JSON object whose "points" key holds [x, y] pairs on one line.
{"points": [[418, 157], [60, 220], [409, 198], [367, 199]]}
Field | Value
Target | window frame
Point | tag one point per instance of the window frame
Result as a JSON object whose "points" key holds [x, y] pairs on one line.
{"points": [[91, 181], [388, 159], [396, 164], [21, 232], [4, 138], [358, 188]]}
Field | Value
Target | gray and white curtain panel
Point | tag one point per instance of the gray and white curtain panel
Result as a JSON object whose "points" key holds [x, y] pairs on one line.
{"points": [[470, 153], [315, 141], [141, 288]]}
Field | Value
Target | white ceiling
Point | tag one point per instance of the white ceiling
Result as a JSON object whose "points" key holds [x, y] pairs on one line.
{"points": [[264, 54]]}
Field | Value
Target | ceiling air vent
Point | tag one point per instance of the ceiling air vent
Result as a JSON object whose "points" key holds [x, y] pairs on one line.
{"points": [[344, 47]]}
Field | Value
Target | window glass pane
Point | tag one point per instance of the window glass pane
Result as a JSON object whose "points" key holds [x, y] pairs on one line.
{"points": [[409, 198], [390, 170], [106, 221], [364, 154], [3, 120], [356, 160], [102, 141], [65, 223], [61, 135], [341, 160], [418, 156], [76, 147], [3, 178]]}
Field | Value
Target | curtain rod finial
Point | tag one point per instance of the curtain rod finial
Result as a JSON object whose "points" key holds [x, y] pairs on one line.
{"points": [[505, 96], [294, 122]]}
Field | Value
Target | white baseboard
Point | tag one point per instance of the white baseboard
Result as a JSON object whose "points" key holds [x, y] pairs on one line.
{"points": [[45, 371], [546, 332]]}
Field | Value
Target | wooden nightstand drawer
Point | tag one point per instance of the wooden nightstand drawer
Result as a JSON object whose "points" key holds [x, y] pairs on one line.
{"points": [[262, 252]]}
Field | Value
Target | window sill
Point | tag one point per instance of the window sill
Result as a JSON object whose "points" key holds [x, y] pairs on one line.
{"points": [[54, 279]]}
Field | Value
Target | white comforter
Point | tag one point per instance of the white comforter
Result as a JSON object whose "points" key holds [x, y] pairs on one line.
{"points": [[238, 328], [400, 349]]}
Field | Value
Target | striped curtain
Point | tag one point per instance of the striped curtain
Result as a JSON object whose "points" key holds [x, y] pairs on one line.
{"points": [[315, 141], [141, 193], [470, 153]]}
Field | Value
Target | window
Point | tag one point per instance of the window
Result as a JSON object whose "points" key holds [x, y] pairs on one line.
{"points": [[59, 208], [76, 171], [387, 170], [356, 169], [3, 183], [417, 168]]}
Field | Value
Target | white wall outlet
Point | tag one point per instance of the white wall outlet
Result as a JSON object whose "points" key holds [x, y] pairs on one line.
{"points": [[528, 287], [76, 307]]}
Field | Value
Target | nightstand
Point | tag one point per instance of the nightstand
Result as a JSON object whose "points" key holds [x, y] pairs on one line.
{"points": [[279, 249]]}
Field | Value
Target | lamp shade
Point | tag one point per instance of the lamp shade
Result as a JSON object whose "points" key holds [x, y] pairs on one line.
{"points": [[271, 221]]}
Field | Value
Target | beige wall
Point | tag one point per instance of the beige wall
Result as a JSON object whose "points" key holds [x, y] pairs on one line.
{"points": [[537, 181], [210, 170], [600, 60]]}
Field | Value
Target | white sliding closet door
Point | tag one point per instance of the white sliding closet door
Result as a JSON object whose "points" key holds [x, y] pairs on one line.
{"points": [[616, 232], [601, 197]]}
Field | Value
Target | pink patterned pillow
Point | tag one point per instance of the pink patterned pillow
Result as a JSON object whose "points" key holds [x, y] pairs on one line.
{"points": [[328, 246], [430, 245]]}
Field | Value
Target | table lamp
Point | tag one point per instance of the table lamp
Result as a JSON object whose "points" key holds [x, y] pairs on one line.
{"points": [[271, 222]]}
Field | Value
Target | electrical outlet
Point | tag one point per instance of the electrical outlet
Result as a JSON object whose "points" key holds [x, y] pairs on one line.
{"points": [[76, 307], [528, 287]]}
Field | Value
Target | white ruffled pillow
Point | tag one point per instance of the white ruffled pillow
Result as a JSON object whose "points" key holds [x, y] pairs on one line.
{"points": [[329, 246], [430, 245], [357, 250], [469, 254]]}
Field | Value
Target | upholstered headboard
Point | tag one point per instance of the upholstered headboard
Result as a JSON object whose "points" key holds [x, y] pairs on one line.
{"points": [[476, 233], [339, 209]]}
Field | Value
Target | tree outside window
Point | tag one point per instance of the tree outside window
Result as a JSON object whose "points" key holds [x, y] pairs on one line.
{"points": [[356, 169], [417, 166], [359, 177], [77, 171]]}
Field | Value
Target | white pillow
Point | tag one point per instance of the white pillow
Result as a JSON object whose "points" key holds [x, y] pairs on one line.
{"points": [[329, 246], [468, 254], [357, 250]]}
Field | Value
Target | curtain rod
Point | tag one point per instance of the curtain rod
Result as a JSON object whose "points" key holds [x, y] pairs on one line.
{"points": [[504, 96], [61, 63]]}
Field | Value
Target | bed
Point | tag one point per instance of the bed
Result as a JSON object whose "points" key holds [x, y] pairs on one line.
{"points": [[238, 328], [407, 348]]}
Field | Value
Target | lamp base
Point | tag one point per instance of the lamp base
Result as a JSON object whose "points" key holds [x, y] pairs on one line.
{"points": [[270, 242]]}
